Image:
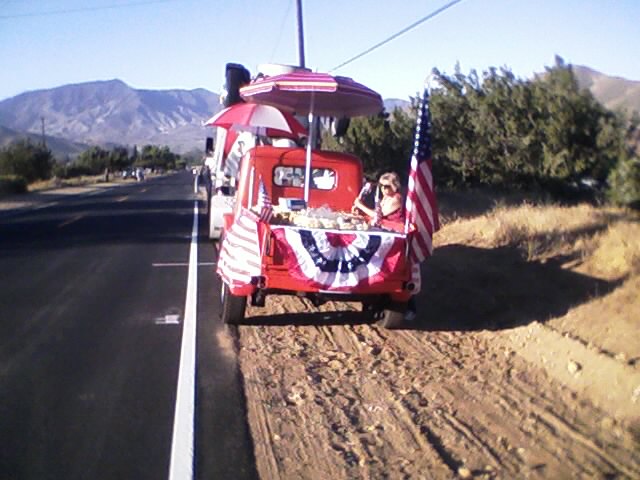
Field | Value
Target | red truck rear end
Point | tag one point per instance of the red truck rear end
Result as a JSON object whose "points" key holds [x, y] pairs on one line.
{"points": [[273, 243]]}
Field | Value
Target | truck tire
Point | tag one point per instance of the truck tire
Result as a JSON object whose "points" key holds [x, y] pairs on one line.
{"points": [[233, 306], [212, 235], [393, 316]]}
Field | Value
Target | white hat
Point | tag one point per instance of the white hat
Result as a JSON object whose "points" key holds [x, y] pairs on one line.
{"points": [[283, 142]]}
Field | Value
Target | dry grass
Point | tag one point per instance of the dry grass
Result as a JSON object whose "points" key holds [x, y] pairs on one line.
{"points": [[580, 274], [617, 250], [71, 182], [604, 241]]}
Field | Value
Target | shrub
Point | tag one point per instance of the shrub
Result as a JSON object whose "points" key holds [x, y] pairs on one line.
{"points": [[72, 170], [26, 159], [624, 182], [10, 184]]}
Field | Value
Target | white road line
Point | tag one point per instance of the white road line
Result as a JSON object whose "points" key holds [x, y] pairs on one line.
{"points": [[182, 264], [168, 320], [181, 466], [71, 220]]}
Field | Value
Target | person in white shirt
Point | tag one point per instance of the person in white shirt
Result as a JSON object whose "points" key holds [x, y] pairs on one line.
{"points": [[244, 142]]}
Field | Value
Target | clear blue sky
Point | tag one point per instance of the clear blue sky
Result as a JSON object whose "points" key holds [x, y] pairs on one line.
{"points": [[185, 44]]}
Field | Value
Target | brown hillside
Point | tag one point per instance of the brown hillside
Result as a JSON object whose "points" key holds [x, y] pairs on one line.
{"points": [[613, 92]]}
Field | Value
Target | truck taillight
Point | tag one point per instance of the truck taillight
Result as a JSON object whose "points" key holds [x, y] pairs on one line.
{"points": [[274, 252], [270, 247]]}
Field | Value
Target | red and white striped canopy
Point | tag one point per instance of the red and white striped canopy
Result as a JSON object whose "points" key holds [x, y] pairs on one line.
{"points": [[320, 93], [263, 119]]}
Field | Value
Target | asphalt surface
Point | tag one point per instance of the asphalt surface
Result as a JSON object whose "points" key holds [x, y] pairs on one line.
{"points": [[92, 298]]}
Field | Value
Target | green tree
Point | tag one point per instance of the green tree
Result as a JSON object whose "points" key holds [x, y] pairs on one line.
{"points": [[506, 131], [504, 124], [573, 123], [27, 160], [93, 161], [118, 159], [453, 136], [624, 182], [368, 138], [402, 124], [153, 156], [499, 130], [377, 141]]}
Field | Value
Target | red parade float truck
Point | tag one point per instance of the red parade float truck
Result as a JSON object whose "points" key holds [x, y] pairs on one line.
{"points": [[275, 243], [291, 230]]}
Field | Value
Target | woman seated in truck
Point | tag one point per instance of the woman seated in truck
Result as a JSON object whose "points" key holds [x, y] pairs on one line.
{"points": [[391, 205], [393, 210]]}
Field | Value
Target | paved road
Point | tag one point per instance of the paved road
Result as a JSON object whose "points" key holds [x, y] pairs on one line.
{"points": [[93, 293]]}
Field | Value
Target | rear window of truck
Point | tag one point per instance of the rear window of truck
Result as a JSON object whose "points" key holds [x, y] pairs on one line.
{"points": [[321, 178]]}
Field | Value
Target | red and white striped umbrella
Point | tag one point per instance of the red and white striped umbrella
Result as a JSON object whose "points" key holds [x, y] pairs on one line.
{"points": [[322, 94], [315, 94], [263, 119]]}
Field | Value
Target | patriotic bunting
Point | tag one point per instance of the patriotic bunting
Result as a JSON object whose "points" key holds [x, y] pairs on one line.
{"points": [[339, 261]]}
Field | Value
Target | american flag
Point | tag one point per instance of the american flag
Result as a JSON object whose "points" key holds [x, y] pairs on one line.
{"points": [[239, 258], [265, 207], [421, 205]]}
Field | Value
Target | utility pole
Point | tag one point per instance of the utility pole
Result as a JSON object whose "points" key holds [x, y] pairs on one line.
{"points": [[300, 34], [44, 142]]}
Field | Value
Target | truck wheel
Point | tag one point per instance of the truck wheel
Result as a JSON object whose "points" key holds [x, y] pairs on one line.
{"points": [[218, 246], [393, 316], [233, 306], [212, 231]]}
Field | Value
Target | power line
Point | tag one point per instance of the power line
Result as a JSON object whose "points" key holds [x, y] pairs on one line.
{"points": [[284, 18], [83, 9], [396, 35]]}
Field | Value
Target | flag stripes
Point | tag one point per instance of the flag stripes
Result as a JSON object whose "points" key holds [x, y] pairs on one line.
{"points": [[240, 251], [421, 206], [265, 207]]}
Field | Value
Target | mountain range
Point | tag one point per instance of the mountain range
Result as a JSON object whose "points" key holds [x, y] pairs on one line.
{"points": [[615, 93], [113, 113]]}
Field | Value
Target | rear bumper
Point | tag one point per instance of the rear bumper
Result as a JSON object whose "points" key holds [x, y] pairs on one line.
{"points": [[280, 283]]}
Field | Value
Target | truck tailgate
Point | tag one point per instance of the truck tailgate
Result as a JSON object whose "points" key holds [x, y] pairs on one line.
{"points": [[308, 259]]}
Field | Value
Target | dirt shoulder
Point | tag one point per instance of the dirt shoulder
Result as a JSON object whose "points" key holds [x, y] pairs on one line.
{"points": [[521, 364]]}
